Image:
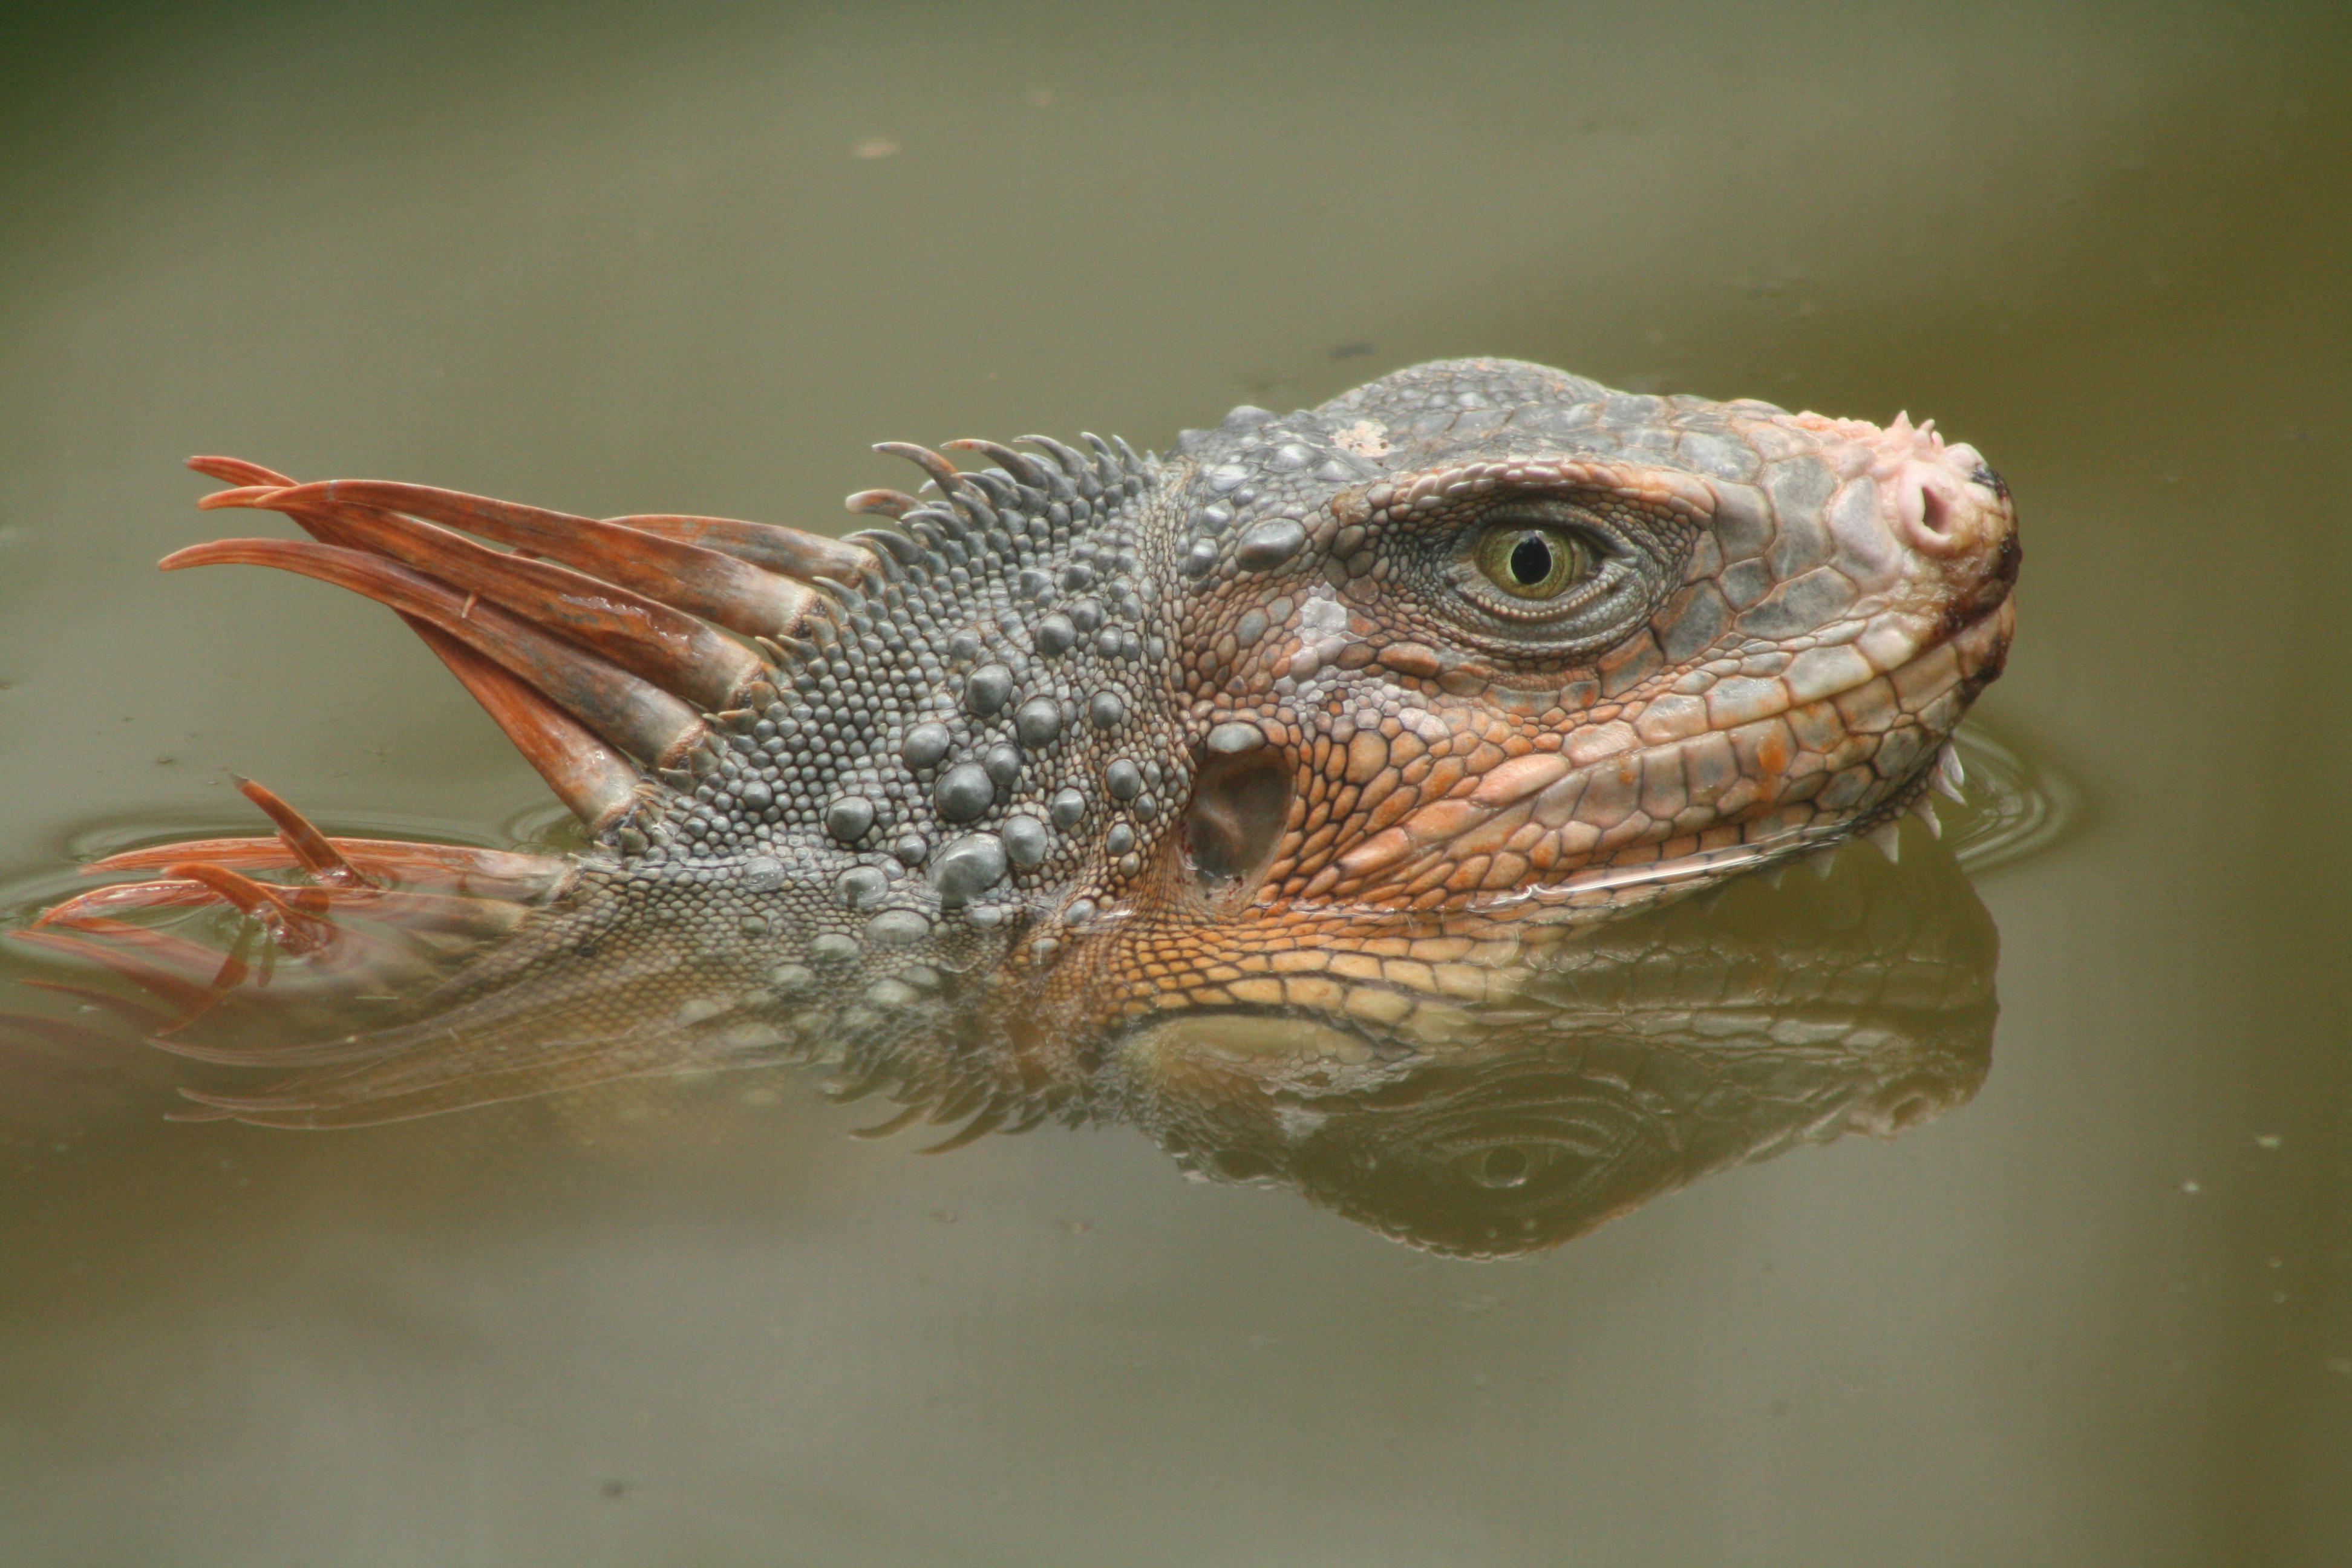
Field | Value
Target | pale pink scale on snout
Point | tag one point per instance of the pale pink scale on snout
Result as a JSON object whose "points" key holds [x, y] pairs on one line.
{"points": [[1934, 492]]}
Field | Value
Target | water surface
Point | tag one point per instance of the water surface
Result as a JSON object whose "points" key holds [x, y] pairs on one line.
{"points": [[2101, 1312]]}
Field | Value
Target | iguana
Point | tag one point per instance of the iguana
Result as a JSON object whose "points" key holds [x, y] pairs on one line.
{"points": [[1328, 719]]}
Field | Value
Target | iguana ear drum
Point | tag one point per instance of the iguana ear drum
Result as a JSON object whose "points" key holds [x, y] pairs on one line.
{"points": [[1235, 823]]}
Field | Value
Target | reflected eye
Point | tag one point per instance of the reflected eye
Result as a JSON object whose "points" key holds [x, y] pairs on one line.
{"points": [[1532, 562], [1506, 1167]]}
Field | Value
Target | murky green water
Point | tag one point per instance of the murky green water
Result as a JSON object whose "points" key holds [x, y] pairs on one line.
{"points": [[2102, 1313]]}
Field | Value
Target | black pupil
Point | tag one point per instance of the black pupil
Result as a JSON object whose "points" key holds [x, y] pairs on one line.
{"points": [[1530, 561]]}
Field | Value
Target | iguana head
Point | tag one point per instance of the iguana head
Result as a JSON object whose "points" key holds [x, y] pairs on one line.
{"points": [[1488, 645], [1332, 715]]}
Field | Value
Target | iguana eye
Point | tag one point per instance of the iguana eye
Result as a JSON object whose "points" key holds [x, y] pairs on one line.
{"points": [[1547, 577], [1532, 562]]}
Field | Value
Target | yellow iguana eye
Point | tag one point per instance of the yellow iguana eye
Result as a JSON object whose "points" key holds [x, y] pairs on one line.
{"points": [[1530, 562]]}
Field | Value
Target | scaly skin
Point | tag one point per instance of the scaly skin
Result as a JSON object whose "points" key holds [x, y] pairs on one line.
{"points": [[1101, 753]]}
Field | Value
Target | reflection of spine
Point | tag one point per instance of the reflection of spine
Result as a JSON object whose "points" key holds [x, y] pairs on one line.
{"points": [[1624, 1063]]}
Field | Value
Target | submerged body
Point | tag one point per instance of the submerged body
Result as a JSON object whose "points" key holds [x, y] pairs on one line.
{"points": [[1320, 723]]}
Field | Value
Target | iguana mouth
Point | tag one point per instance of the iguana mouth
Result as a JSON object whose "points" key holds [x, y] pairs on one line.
{"points": [[1812, 766]]}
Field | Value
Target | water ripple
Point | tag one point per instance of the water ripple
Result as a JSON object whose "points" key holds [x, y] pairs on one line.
{"points": [[2017, 806]]}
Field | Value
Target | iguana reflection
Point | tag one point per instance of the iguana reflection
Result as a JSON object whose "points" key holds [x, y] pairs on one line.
{"points": [[1631, 1061]]}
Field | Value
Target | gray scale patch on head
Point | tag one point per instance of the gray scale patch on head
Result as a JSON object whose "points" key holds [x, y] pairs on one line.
{"points": [[1055, 635], [925, 746], [1067, 809], [969, 868], [834, 947], [1123, 779], [1038, 722], [1106, 709], [849, 817], [1027, 840], [1232, 738], [763, 874], [791, 979], [1119, 839], [964, 791], [911, 850], [1268, 544], [989, 688], [1002, 765]]}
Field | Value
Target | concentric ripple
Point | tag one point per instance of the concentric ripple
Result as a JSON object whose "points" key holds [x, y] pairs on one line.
{"points": [[2017, 806]]}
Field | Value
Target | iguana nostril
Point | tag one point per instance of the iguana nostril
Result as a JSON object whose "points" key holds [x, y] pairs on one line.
{"points": [[1935, 512]]}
